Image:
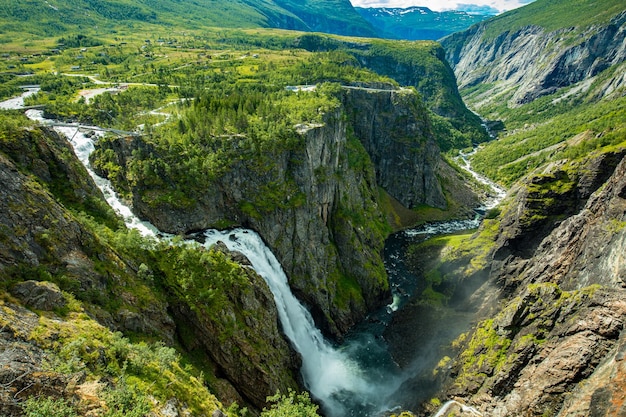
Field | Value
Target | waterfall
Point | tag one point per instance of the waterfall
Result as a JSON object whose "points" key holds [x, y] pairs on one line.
{"points": [[329, 373], [83, 146]]}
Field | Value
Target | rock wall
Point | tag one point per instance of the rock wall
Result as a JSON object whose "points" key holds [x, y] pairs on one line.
{"points": [[534, 62], [394, 129], [554, 345]]}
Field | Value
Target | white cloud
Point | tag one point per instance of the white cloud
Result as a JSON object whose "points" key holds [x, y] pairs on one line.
{"points": [[439, 5]]}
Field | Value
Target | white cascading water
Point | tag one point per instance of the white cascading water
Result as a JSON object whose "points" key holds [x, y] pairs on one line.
{"points": [[330, 375], [83, 146], [498, 193], [342, 386]]}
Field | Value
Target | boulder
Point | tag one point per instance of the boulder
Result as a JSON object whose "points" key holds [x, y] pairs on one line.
{"points": [[44, 296]]}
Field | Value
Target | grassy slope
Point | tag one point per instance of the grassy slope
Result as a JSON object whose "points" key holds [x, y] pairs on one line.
{"points": [[555, 14], [42, 19]]}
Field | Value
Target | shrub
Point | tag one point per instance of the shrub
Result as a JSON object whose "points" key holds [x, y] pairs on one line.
{"points": [[48, 406], [289, 405]]}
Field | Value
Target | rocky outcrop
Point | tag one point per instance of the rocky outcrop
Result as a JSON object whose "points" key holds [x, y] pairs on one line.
{"points": [[243, 340], [563, 317], [394, 129], [40, 295], [532, 62], [546, 198], [22, 374]]}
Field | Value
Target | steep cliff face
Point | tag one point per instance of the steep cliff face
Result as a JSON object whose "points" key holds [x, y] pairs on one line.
{"points": [[531, 61], [554, 345], [241, 337], [395, 131], [421, 65], [425, 68], [309, 204], [316, 203]]}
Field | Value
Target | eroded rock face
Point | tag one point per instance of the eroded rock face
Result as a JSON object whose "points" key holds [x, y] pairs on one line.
{"points": [[535, 62], [244, 341], [22, 374], [394, 129], [554, 346]]}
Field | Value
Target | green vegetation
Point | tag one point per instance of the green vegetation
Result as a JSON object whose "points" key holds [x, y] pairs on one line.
{"points": [[443, 261], [291, 404], [202, 278], [138, 370], [423, 66], [544, 131], [555, 14], [23, 20], [48, 406]]}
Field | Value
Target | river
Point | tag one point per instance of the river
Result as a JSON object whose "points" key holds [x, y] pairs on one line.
{"points": [[356, 379]]}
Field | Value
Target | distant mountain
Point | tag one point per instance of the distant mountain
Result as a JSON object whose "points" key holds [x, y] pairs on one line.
{"points": [[54, 17], [417, 23], [329, 16], [542, 47]]}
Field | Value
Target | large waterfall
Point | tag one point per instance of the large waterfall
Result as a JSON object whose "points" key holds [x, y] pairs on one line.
{"points": [[330, 374]]}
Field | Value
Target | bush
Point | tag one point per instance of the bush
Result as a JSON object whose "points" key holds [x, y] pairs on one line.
{"points": [[291, 405], [48, 406]]}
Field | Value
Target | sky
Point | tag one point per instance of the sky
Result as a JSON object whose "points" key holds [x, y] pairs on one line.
{"points": [[489, 6]]}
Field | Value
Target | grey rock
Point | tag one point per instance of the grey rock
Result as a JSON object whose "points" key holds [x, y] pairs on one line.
{"points": [[533, 62], [40, 295]]}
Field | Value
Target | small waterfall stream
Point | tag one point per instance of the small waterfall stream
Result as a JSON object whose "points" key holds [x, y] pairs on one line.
{"points": [[356, 379]]}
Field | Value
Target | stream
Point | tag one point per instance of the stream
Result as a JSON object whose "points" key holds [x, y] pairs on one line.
{"points": [[358, 378]]}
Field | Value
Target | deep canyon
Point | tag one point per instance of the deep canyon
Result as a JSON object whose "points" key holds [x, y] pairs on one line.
{"points": [[289, 212]]}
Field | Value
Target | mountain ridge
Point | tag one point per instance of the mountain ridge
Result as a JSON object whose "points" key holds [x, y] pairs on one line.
{"points": [[61, 16], [417, 23]]}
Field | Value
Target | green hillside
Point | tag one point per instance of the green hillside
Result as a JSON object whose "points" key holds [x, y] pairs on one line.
{"points": [[555, 14], [30, 18], [330, 16]]}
